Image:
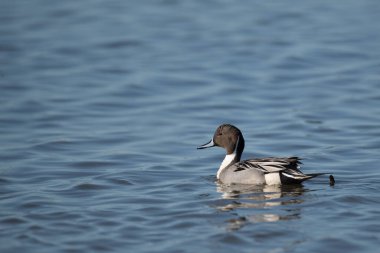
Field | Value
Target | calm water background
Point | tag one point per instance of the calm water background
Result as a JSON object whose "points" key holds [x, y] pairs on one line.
{"points": [[103, 103]]}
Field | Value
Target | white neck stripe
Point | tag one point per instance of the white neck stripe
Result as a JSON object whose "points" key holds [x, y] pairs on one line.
{"points": [[237, 143], [227, 161]]}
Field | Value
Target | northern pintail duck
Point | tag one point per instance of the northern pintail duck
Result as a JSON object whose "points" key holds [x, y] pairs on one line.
{"points": [[269, 170]]}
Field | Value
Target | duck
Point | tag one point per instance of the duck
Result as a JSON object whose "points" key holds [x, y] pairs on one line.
{"points": [[258, 171]]}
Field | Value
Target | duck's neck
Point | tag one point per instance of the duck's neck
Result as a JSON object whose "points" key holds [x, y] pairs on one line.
{"points": [[233, 158], [228, 161]]}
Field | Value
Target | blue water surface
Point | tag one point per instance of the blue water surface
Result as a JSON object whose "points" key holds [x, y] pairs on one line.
{"points": [[103, 104]]}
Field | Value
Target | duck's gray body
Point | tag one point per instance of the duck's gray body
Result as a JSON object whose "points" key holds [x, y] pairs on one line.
{"points": [[269, 170]]}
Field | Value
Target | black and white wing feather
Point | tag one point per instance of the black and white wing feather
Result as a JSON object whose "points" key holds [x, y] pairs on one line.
{"points": [[270, 164], [287, 167]]}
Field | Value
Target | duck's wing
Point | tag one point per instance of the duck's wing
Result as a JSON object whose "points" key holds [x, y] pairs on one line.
{"points": [[270, 164], [287, 167]]}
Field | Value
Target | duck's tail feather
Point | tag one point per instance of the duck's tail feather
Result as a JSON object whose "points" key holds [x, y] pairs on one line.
{"points": [[291, 178], [311, 175]]}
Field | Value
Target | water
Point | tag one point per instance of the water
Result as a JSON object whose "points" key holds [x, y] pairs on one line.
{"points": [[104, 102]]}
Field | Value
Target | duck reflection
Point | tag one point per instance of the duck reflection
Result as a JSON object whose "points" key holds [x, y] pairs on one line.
{"points": [[272, 203]]}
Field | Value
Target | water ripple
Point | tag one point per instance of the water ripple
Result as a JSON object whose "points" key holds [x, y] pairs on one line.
{"points": [[104, 104]]}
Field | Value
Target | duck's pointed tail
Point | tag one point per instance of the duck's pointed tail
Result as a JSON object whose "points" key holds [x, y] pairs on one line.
{"points": [[331, 177]]}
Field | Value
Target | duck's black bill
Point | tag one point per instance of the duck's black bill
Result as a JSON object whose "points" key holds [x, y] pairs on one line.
{"points": [[207, 145]]}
